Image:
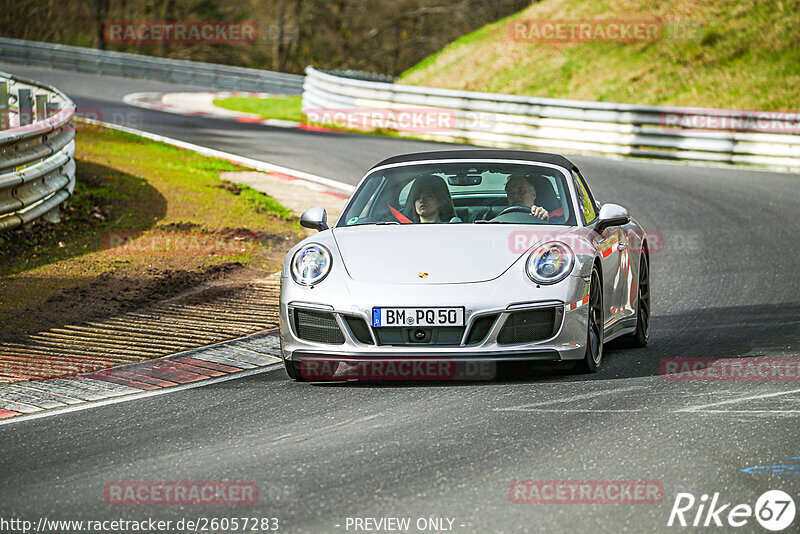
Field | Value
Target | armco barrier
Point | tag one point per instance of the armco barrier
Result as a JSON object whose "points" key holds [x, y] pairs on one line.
{"points": [[206, 75], [576, 126], [37, 144]]}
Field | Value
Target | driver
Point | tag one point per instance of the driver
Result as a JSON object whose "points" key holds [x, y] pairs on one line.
{"points": [[521, 191]]}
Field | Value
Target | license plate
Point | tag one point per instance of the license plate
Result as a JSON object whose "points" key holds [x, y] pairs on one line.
{"points": [[418, 316]]}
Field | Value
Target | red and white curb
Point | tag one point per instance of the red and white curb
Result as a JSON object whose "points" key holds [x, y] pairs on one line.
{"points": [[227, 360], [201, 105], [254, 352]]}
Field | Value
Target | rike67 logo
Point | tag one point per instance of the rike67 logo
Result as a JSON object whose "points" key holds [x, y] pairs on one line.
{"points": [[774, 510]]}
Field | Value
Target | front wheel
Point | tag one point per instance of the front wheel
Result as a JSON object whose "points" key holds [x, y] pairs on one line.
{"points": [[594, 336], [291, 370], [641, 335], [294, 371]]}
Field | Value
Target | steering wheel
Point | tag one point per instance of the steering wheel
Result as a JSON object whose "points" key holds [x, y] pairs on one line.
{"points": [[514, 214], [515, 209]]}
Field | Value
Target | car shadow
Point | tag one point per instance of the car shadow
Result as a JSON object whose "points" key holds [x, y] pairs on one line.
{"points": [[710, 333]]}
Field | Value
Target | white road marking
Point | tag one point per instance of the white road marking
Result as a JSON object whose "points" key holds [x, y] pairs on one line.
{"points": [[580, 396], [702, 407], [144, 394], [349, 422], [579, 410], [739, 412]]}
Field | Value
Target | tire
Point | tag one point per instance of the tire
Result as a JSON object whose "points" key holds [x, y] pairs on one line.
{"points": [[289, 369], [293, 371], [639, 337], [594, 332]]}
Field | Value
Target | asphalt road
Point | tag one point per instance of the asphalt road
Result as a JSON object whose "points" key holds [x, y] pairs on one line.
{"points": [[724, 285]]}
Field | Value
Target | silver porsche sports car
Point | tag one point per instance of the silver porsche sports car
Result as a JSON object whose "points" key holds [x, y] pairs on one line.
{"points": [[444, 264]]}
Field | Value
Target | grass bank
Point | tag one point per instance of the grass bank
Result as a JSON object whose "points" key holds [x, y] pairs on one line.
{"points": [[288, 108], [146, 221], [715, 53]]}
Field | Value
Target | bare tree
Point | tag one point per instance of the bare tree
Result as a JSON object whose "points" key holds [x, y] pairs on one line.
{"points": [[386, 36]]}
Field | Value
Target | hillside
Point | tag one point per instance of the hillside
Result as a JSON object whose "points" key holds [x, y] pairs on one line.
{"points": [[716, 53]]}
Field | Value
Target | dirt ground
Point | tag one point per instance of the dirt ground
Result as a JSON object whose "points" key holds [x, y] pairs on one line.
{"points": [[132, 287], [146, 223]]}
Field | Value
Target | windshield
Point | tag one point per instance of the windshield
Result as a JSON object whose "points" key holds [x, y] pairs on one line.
{"points": [[462, 193]]}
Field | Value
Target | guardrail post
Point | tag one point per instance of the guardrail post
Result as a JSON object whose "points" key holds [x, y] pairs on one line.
{"points": [[41, 107], [4, 105], [52, 108], [25, 106], [36, 181]]}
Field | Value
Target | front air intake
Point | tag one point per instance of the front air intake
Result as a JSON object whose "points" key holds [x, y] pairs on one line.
{"points": [[480, 328], [530, 325], [359, 328], [317, 326]]}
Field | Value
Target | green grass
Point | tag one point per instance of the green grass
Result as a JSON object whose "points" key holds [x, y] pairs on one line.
{"points": [[189, 182], [288, 108], [265, 202], [739, 55], [129, 186]]}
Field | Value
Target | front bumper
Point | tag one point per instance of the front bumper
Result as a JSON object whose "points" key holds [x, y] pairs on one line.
{"points": [[355, 299], [319, 366]]}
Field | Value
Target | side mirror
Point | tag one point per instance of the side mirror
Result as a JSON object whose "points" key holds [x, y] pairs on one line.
{"points": [[612, 215], [315, 218]]}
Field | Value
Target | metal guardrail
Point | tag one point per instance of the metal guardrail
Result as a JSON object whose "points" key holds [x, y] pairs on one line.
{"points": [[37, 144], [207, 75], [576, 126], [363, 75]]}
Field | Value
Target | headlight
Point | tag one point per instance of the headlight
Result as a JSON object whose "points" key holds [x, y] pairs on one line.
{"points": [[311, 264], [550, 263]]}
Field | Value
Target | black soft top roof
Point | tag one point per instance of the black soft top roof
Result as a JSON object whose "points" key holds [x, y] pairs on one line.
{"points": [[525, 155]]}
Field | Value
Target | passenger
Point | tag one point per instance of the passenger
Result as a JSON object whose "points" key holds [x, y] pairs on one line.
{"points": [[430, 201], [521, 191]]}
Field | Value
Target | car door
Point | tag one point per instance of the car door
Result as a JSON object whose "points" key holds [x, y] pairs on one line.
{"points": [[608, 245]]}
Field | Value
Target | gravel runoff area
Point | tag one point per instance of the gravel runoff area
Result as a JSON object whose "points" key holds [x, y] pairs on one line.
{"points": [[37, 370]]}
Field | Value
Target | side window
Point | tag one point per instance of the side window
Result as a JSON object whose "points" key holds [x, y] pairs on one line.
{"points": [[371, 192], [585, 200], [588, 190]]}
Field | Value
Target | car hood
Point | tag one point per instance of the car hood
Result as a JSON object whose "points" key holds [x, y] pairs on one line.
{"points": [[426, 254]]}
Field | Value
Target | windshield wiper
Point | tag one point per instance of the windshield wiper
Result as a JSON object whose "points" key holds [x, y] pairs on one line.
{"points": [[372, 223]]}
